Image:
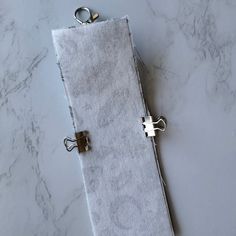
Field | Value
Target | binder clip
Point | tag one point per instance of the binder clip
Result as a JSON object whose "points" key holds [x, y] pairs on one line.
{"points": [[151, 126], [81, 141]]}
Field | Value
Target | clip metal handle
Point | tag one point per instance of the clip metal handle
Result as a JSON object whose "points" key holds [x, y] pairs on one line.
{"points": [[91, 17], [81, 141], [70, 147], [151, 126]]}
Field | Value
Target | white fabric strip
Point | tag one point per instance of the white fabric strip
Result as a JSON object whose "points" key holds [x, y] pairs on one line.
{"points": [[122, 182]]}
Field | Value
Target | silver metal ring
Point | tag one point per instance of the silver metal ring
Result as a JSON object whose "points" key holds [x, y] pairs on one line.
{"points": [[91, 16], [78, 18]]}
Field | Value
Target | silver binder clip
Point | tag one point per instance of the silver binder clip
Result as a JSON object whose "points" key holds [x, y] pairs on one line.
{"points": [[81, 141], [151, 126]]}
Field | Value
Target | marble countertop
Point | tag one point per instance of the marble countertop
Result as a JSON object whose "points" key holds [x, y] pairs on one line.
{"points": [[189, 48]]}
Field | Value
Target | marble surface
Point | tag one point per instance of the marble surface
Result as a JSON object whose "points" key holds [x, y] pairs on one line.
{"points": [[189, 49]]}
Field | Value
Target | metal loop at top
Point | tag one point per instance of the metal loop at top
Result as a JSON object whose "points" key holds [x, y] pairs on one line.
{"points": [[91, 16]]}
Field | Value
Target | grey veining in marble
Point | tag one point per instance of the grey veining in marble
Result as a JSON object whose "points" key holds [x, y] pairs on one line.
{"points": [[188, 47], [123, 186], [41, 191]]}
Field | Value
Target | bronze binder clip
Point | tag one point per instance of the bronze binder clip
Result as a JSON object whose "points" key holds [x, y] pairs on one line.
{"points": [[81, 141]]}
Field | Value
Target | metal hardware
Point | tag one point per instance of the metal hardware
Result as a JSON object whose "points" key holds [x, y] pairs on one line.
{"points": [[151, 126], [91, 16], [81, 141]]}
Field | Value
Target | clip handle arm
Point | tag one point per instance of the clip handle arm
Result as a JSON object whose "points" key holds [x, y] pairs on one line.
{"points": [[68, 145]]}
